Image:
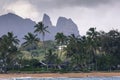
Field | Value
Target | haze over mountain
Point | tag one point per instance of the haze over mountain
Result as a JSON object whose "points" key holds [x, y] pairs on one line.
{"points": [[20, 26]]}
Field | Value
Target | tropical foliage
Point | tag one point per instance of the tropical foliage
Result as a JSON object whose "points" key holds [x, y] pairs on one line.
{"points": [[8, 51], [95, 51]]}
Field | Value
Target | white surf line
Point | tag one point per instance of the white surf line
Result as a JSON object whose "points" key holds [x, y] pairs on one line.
{"points": [[4, 79], [19, 78]]}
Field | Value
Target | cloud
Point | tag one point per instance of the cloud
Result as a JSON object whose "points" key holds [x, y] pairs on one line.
{"points": [[52, 4], [4, 4], [85, 3], [103, 17], [22, 8], [103, 14]]}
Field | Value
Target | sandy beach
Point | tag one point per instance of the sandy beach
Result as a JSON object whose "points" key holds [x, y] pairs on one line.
{"points": [[76, 75]]}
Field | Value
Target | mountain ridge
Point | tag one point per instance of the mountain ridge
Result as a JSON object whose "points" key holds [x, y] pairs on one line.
{"points": [[19, 26]]}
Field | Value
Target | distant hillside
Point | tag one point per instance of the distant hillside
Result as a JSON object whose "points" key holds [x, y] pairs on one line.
{"points": [[13, 23], [19, 26]]}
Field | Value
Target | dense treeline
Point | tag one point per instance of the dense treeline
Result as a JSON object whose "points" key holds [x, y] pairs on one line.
{"points": [[96, 51]]}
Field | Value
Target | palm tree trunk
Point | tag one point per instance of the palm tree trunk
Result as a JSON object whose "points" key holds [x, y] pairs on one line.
{"points": [[44, 44]]}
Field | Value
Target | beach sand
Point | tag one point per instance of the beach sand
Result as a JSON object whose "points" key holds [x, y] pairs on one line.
{"points": [[75, 75]]}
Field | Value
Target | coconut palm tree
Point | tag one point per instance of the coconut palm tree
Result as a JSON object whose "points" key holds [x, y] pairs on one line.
{"points": [[73, 49], [41, 29], [110, 43], [60, 38], [9, 49], [93, 38], [13, 39], [30, 39]]}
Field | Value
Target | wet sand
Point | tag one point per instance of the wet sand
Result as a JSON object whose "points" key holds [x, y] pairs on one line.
{"points": [[75, 75]]}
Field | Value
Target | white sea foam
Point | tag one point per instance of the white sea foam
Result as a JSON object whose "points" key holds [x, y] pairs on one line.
{"points": [[21, 78], [65, 78], [3, 79]]}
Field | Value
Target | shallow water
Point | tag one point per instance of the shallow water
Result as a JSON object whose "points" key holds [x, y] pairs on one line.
{"points": [[88, 78]]}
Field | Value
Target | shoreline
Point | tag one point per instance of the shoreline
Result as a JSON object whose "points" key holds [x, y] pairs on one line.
{"points": [[55, 75]]}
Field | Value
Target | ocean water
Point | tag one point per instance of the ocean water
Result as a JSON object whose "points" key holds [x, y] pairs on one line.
{"points": [[87, 78]]}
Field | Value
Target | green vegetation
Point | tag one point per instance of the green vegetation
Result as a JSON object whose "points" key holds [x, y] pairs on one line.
{"points": [[96, 51]]}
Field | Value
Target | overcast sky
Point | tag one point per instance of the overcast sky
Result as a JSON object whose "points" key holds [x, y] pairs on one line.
{"points": [[102, 14]]}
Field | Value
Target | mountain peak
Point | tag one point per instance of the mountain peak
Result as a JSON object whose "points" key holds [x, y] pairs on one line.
{"points": [[62, 18], [13, 23], [20, 26], [61, 21], [46, 20], [67, 26], [11, 14], [45, 15]]}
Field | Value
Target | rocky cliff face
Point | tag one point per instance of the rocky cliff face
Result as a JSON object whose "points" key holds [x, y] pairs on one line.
{"points": [[64, 25], [20, 27], [46, 20], [67, 26]]}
